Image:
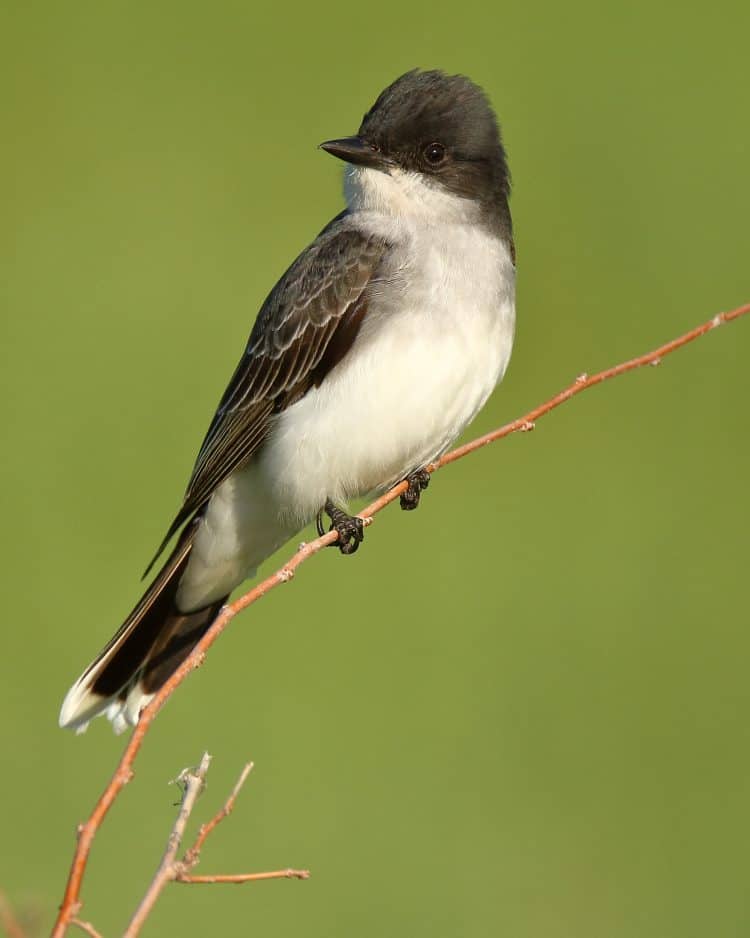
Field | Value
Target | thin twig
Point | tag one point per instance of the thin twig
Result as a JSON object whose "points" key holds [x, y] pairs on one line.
{"points": [[124, 771], [242, 877], [192, 855], [193, 780], [173, 870], [10, 924], [86, 926]]}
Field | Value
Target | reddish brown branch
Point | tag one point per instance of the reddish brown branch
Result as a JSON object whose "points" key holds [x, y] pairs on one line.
{"points": [[124, 772]]}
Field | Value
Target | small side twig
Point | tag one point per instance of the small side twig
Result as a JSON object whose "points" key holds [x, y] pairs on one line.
{"points": [[86, 926], [238, 878], [173, 870], [192, 854]]}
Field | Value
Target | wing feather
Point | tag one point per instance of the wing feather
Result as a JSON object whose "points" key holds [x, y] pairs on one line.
{"points": [[318, 304]]}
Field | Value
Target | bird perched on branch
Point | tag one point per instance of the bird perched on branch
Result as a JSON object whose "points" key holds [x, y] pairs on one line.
{"points": [[370, 356]]}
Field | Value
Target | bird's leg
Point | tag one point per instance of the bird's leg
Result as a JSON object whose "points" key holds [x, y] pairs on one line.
{"points": [[351, 530], [417, 482]]}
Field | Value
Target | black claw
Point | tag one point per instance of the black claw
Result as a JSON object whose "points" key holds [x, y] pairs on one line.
{"points": [[351, 530], [418, 482]]}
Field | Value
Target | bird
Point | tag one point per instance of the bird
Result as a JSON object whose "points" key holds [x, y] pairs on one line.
{"points": [[369, 357]]}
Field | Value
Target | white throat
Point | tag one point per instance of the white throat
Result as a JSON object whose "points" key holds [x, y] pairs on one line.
{"points": [[407, 196]]}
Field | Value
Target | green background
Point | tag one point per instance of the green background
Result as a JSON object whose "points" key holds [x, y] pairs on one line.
{"points": [[521, 711]]}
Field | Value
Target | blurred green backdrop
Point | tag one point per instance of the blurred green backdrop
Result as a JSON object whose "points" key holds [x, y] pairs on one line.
{"points": [[537, 729]]}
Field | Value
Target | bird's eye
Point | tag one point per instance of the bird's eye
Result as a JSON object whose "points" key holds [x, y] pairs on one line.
{"points": [[434, 153]]}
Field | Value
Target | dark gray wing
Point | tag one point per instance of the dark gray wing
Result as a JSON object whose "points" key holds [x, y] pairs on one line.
{"points": [[305, 327]]}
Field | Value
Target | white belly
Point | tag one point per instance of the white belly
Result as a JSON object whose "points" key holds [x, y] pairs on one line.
{"points": [[434, 344], [429, 354]]}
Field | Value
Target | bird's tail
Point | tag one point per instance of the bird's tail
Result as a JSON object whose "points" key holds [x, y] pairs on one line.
{"points": [[149, 646]]}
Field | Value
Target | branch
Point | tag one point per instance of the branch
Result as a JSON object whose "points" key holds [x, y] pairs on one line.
{"points": [[192, 855], [173, 870], [193, 780], [238, 878], [85, 926], [124, 771]]}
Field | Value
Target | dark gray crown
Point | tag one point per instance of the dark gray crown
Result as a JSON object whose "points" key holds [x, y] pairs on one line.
{"points": [[425, 108]]}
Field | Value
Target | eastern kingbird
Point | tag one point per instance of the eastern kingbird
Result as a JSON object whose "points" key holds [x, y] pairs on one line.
{"points": [[371, 354]]}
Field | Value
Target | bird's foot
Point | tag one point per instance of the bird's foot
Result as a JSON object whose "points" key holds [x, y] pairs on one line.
{"points": [[351, 530], [417, 482]]}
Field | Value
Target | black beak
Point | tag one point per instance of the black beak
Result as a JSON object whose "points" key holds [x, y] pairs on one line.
{"points": [[357, 151]]}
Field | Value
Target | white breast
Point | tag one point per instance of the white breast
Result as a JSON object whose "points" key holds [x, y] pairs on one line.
{"points": [[436, 340]]}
